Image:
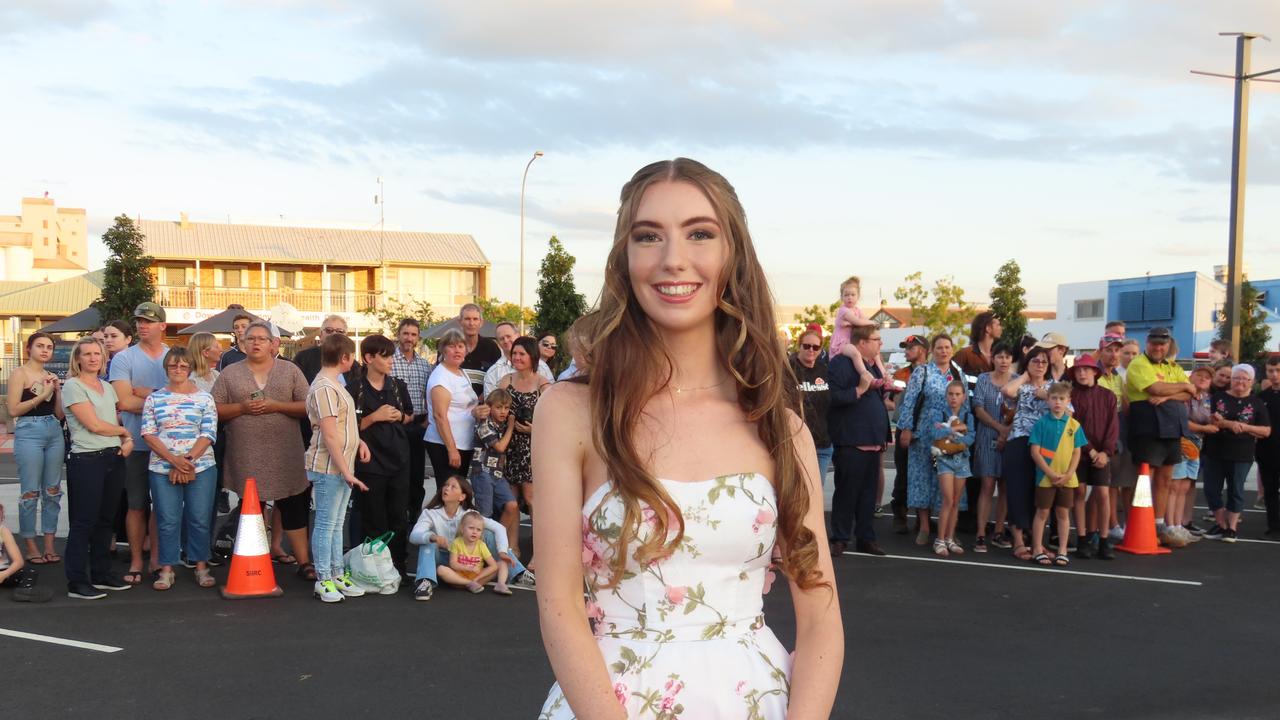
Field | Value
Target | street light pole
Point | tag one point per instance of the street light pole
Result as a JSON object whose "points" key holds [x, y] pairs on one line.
{"points": [[536, 154]]}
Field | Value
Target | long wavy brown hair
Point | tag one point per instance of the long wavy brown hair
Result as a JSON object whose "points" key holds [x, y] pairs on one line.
{"points": [[629, 364]]}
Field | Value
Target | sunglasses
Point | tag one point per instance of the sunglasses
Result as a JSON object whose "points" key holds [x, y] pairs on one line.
{"points": [[549, 346], [810, 346]]}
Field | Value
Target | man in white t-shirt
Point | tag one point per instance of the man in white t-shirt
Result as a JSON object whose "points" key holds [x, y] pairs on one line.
{"points": [[506, 334]]}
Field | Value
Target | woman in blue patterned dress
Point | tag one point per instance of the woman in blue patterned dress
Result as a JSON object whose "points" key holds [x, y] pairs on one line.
{"points": [[1029, 391], [926, 396], [993, 431]]}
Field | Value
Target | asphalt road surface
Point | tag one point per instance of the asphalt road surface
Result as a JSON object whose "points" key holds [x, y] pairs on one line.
{"points": [[1185, 636]]}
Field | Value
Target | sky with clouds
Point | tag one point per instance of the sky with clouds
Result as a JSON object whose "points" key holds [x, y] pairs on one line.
{"points": [[869, 138]]}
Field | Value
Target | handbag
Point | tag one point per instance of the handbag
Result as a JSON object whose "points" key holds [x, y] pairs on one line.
{"points": [[370, 565]]}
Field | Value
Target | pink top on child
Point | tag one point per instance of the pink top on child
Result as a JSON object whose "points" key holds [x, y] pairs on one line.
{"points": [[840, 336]]}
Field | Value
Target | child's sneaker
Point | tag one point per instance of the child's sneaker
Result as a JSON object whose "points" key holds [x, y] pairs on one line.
{"points": [[1194, 529], [348, 587], [526, 579], [1228, 536], [501, 589], [1116, 535], [1002, 541], [327, 591], [980, 545], [1087, 547], [1104, 550], [424, 589], [1214, 533]]}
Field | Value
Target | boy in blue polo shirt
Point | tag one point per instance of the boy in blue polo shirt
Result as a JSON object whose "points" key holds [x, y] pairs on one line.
{"points": [[1055, 441]]}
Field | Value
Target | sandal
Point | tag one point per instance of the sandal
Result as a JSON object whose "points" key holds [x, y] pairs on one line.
{"points": [[163, 580], [1022, 552], [1042, 559], [475, 587], [940, 548], [37, 559], [1062, 561], [284, 559], [133, 577], [52, 558], [307, 571], [954, 547], [205, 579]]}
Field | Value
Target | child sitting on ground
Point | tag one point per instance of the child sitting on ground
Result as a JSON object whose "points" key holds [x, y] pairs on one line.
{"points": [[494, 497], [951, 432], [439, 525], [471, 564], [848, 316], [1055, 441], [14, 572]]}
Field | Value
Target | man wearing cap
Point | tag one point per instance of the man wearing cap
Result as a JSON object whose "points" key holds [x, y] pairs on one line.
{"points": [[915, 347], [1156, 425], [135, 373]]}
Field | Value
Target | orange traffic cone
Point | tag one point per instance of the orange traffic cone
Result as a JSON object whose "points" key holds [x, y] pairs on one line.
{"points": [[1140, 527], [251, 574]]}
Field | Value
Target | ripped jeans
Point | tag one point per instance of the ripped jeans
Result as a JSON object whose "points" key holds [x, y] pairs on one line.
{"points": [[39, 450]]}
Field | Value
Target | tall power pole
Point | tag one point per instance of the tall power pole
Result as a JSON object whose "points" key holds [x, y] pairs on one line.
{"points": [[1239, 163]]}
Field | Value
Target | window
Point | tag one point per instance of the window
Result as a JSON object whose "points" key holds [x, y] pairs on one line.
{"points": [[1131, 306], [1089, 309], [287, 279], [174, 276], [1146, 305], [46, 224], [231, 277]]}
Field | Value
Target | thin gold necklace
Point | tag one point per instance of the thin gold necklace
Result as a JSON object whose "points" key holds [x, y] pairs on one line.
{"points": [[679, 389]]}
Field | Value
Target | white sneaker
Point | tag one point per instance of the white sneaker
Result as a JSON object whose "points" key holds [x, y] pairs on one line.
{"points": [[347, 587], [1116, 535], [1190, 536], [526, 580], [327, 591]]}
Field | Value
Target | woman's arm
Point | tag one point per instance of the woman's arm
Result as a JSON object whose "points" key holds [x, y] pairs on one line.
{"points": [[17, 407], [57, 401], [559, 453], [94, 424], [1010, 389], [440, 399], [819, 655]]}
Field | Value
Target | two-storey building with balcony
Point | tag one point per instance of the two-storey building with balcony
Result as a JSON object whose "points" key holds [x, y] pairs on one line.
{"points": [[306, 273]]}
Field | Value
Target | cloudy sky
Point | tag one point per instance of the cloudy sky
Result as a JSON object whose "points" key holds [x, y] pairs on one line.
{"points": [[869, 138]]}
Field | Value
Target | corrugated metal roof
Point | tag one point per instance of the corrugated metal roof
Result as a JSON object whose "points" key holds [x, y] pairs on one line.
{"points": [[54, 299], [8, 286], [253, 243]]}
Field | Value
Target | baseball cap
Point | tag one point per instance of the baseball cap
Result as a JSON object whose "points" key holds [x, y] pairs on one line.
{"points": [[1111, 339], [1159, 333], [913, 340], [1052, 340], [149, 311]]}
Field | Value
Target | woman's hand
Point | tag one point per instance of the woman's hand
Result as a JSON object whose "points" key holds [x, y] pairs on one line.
{"points": [[386, 413], [441, 542], [183, 465], [904, 438], [355, 483], [455, 458], [524, 428], [126, 445], [50, 386], [480, 412]]}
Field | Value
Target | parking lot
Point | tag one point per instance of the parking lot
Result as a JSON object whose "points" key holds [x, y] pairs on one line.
{"points": [[1189, 635]]}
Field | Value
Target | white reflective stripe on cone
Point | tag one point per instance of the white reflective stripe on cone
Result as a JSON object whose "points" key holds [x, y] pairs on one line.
{"points": [[251, 536], [1142, 492]]}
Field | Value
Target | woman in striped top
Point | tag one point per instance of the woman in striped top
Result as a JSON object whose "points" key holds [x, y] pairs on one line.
{"points": [[335, 445]]}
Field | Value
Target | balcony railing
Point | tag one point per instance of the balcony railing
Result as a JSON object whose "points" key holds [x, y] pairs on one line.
{"points": [[218, 298], [325, 301]]}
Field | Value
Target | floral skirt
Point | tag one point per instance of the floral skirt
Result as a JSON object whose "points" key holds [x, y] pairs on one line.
{"points": [[748, 676]]}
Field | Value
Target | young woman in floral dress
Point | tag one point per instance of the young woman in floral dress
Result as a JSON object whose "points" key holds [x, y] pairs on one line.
{"points": [[672, 474]]}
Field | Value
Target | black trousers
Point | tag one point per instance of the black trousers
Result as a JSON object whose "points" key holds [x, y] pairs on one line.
{"points": [[1269, 478], [438, 454], [95, 482], [857, 475], [417, 468], [1019, 482], [382, 510], [899, 503]]}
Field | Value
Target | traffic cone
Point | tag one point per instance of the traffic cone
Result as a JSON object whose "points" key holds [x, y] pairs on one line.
{"points": [[1140, 526], [251, 574]]}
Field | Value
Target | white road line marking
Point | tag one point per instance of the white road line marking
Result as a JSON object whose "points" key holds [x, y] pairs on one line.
{"points": [[1260, 542], [1248, 509], [60, 641], [1031, 568]]}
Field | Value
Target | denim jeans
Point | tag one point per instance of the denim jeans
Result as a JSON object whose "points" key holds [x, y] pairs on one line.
{"points": [[331, 495], [183, 511], [490, 494], [39, 449], [1216, 473], [431, 555], [824, 462], [95, 483]]}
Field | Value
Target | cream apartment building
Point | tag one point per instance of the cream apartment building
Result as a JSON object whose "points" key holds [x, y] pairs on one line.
{"points": [[44, 243]]}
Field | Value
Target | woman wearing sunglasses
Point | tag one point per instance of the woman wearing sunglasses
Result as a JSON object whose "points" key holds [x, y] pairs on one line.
{"points": [[547, 349], [812, 382]]}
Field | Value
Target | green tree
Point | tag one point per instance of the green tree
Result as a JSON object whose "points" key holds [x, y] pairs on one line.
{"points": [[394, 310], [559, 302], [1008, 300], [940, 309], [1254, 333], [496, 311], [127, 279], [815, 315]]}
